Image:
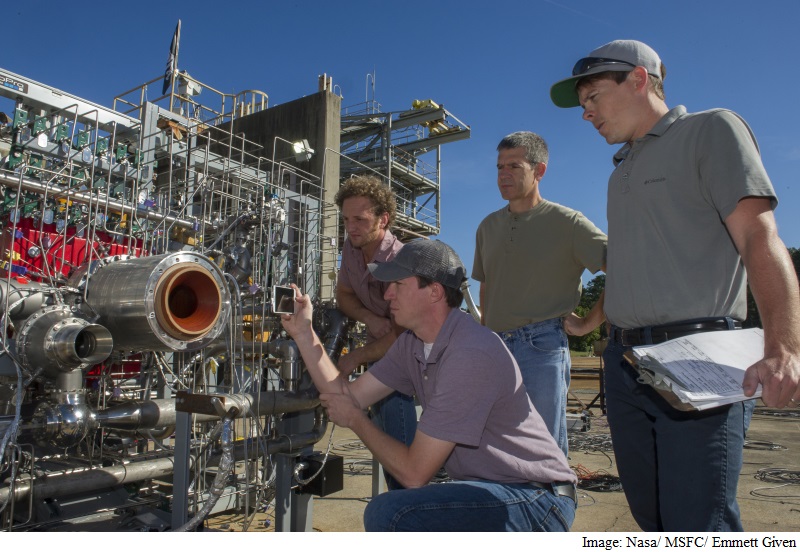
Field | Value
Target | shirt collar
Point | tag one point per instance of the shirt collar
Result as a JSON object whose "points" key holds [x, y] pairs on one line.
{"points": [[443, 338], [385, 249], [658, 130]]}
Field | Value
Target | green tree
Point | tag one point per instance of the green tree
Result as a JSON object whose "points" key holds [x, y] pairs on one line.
{"points": [[753, 319], [591, 292]]}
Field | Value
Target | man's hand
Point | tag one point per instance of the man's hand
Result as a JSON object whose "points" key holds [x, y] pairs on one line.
{"points": [[577, 325], [348, 363], [378, 326], [574, 325], [773, 282], [298, 325], [780, 380], [343, 409]]}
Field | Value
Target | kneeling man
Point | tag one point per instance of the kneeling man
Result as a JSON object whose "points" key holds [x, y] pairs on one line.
{"points": [[477, 420]]}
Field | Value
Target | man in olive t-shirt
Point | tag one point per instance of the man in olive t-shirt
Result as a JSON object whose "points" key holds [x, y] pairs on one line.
{"points": [[529, 258]]}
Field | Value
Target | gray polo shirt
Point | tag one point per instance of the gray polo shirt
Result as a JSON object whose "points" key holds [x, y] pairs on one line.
{"points": [[670, 257], [472, 394], [354, 274]]}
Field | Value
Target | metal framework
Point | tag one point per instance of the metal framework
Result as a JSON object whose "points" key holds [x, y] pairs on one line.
{"points": [[399, 146], [139, 251]]}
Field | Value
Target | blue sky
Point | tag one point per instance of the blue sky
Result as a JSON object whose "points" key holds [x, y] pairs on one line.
{"points": [[489, 63]]}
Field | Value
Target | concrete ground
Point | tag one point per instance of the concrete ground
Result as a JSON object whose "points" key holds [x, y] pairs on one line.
{"points": [[769, 485]]}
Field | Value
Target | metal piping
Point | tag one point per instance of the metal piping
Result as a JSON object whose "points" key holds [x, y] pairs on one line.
{"points": [[249, 449], [29, 298], [158, 413], [471, 306], [92, 479], [335, 326], [223, 471], [105, 202], [89, 479]]}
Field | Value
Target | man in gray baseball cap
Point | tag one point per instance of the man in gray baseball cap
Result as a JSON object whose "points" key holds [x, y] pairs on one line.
{"points": [[431, 259], [477, 420], [690, 221], [620, 56]]}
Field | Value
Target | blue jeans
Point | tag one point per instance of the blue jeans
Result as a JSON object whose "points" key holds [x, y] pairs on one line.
{"points": [[542, 353], [396, 415], [679, 470], [470, 506]]}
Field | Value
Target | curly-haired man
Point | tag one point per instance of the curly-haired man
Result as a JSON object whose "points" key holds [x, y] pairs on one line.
{"points": [[368, 210]]}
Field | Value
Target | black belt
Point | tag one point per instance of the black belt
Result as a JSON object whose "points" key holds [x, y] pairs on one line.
{"points": [[559, 489], [649, 335]]}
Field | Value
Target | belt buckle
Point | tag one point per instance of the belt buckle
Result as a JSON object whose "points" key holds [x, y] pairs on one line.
{"points": [[627, 338], [566, 489], [618, 336], [559, 489]]}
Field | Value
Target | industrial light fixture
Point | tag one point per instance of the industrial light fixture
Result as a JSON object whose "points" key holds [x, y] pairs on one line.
{"points": [[302, 150], [187, 86]]}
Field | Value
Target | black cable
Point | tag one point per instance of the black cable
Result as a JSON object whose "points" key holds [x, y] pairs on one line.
{"points": [[782, 477], [779, 475], [777, 413], [763, 445], [589, 442], [600, 483]]}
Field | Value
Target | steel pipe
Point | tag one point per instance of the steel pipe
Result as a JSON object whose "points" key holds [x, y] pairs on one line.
{"points": [[88, 479], [156, 413]]}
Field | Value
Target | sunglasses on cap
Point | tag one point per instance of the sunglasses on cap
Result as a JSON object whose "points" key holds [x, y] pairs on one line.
{"points": [[589, 63]]}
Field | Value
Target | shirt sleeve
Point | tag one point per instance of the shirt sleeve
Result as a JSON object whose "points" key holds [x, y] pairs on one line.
{"points": [[589, 244], [730, 165], [477, 263], [344, 274], [391, 369]]}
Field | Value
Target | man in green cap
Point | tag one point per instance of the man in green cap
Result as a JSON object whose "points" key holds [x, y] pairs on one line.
{"points": [[690, 221]]}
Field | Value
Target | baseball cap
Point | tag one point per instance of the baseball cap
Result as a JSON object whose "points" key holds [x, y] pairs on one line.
{"points": [[619, 55], [432, 259]]}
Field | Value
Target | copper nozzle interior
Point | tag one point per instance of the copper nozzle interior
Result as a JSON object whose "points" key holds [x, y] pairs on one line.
{"points": [[187, 301]]}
